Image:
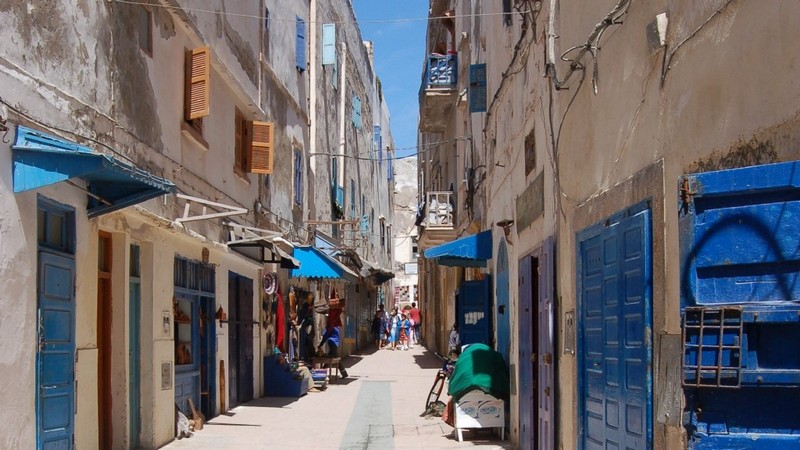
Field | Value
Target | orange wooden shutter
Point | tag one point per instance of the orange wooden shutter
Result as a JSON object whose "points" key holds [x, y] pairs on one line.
{"points": [[261, 147], [198, 83]]}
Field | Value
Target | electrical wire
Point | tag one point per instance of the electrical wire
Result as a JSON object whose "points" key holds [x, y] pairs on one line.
{"points": [[261, 17], [424, 148]]}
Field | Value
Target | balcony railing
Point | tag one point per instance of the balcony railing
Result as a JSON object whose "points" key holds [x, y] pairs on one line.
{"points": [[442, 71], [439, 210]]}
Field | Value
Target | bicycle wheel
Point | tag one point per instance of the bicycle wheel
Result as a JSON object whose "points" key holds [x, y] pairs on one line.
{"points": [[436, 390]]}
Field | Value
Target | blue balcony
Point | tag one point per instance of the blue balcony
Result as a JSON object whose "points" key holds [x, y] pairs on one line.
{"points": [[442, 71], [438, 92]]}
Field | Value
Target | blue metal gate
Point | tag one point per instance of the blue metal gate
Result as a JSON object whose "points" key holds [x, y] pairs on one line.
{"points": [[614, 344], [740, 287], [134, 347], [473, 313]]}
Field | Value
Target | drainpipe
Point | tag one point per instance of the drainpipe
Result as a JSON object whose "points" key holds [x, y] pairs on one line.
{"points": [[342, 123], [312, 96]]}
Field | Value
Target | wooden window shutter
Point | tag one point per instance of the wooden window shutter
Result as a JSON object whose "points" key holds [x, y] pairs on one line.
{"points": [[328, 43], [260, 147], [198, 83], [477, 88], [300, 44]]}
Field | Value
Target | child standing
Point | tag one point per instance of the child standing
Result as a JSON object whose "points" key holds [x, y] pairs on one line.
{"points": [[405, 331]]}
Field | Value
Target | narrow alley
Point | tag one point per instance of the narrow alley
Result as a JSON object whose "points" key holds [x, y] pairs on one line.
{"points": [[378, 406]]}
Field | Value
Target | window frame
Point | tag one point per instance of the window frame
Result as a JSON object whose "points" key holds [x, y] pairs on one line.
{"points": [[148, 50]]}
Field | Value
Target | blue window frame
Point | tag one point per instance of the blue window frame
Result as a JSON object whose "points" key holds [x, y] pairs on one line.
{"points": [[352, 199]]}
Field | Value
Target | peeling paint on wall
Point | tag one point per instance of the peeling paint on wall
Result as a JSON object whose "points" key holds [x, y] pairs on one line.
{"points": [[744, 154]]}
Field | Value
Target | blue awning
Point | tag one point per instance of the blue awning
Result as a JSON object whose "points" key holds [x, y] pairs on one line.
{"points": [[469, 251], [40, 160], [314, 263]]}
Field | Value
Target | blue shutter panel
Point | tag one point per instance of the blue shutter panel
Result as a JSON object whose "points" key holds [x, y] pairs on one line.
{"points": [[300, 51], [376, 140], [357, 112], [477, 88], [328, 43]]}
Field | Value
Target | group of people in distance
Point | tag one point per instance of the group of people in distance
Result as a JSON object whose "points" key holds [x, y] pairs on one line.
{"points": [[398, 330]]}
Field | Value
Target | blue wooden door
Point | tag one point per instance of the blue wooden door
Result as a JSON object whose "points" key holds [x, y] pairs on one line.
{"points": [[525, 385], [545, 384], [740, 299], [501, 299], [614, 352], [134, 348], [55, 403], [473, 313]]}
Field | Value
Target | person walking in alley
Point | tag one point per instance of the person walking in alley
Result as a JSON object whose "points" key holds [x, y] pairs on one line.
{"points": [[416, 319], [455, 341], [333, 339], [405, 330], [394, 321], [384, 326]]}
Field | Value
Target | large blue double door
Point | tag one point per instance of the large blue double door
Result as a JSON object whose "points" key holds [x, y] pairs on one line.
{"points": [[614, 344]]}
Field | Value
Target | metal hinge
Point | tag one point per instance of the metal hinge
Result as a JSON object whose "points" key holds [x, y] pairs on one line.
{"points": [[687, 191]]}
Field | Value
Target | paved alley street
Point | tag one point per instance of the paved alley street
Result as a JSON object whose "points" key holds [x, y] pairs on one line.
{"points": [[377, 407]]}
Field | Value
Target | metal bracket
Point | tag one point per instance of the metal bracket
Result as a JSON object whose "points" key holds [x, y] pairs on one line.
{"points": [[687, 191], [187, 217]]}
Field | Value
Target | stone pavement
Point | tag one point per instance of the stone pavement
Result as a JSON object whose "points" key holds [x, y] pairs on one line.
{"points": [[377, 407]]}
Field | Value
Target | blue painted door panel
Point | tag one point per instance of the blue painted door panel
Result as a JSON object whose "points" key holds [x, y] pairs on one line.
{"points": [[614, 344], [55, 406], [501, 298], [545, 383], [740, 256], [526, 383], [473, 313]]}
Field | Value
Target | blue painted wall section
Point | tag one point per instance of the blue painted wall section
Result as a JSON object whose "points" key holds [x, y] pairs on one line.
{"points": [[740, 302]]}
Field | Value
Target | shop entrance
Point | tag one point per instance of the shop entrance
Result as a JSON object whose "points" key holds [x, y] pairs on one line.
{"points": [[240, 338], [536, 348], [194, 335]]}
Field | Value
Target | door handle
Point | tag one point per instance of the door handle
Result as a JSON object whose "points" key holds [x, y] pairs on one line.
{"points": [[548, 359]]}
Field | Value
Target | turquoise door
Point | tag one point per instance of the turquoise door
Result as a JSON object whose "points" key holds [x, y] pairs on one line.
{"points": [[614, 344], [55, 405], [501, 297], [55, 358]]}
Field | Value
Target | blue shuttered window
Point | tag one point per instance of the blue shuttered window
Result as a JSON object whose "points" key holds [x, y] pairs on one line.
{"points": [[328, 43], [376, 141], [356, 112], [364, 225], [298, 178], [300, 50], [477, 88]]}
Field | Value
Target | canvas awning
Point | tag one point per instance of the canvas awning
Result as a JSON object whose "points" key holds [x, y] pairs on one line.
{"points": [[314, 263], [469, 251], [40, 159], [370, 269]]}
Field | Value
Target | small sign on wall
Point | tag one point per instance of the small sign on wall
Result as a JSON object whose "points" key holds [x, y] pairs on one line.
{"points": [[166, 325], [166, 375], [569, 332]]}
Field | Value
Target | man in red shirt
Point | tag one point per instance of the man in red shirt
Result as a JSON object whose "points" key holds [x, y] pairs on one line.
{"points": [[415, 315]]}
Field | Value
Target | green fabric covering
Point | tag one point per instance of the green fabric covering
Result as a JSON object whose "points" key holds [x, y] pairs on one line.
{"points": [[479, 367]]}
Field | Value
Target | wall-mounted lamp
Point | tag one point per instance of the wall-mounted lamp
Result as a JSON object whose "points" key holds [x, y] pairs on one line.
{"points": [[506, 226]]}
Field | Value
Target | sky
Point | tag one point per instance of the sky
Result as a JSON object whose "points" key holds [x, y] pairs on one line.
{"points": [[399, 55]]}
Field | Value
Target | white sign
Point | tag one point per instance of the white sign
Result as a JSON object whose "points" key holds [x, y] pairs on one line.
{"points": [[411, 268]]}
